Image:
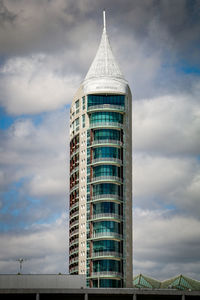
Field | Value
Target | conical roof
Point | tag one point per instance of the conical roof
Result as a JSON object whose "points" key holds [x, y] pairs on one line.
{"points": [[104, 73], [104, 63]]}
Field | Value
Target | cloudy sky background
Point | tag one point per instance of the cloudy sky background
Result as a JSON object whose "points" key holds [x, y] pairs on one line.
{"points": [[46, 48]]}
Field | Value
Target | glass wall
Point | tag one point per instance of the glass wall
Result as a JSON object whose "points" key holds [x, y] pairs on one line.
{"points": [[106, 99], [112, 283], [106, 170], [106, 152], [106, 188], [106, 265], [106, 246], [106, 207], [110, 117], [107, 134], [106, 226]]}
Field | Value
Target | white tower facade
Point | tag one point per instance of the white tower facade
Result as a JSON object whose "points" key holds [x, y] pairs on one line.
{"points": [[100, 226]]}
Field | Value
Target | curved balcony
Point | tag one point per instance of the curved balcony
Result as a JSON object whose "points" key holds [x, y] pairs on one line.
{"points": [[107, 142], [75, 214], [106, 235], [74, 205], [73, 242], [103, 197], [106, 178], [74, 151], [103, 216], [106, 107], [74, 269], [73, 260], [74, 170], [106, 125], [74, 223], [74, 232], [106, 254], [106, 274], [75, 187], [110, 160], [73, 251]]}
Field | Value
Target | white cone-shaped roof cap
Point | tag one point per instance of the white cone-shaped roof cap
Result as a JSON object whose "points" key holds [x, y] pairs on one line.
{"points": [[104, 68]]}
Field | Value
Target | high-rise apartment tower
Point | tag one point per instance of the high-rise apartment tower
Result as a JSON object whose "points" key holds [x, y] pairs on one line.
{"points": [[100, 226]]}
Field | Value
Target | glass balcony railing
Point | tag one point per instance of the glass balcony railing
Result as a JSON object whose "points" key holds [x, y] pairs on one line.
{"points": [[106, 216], [76, 213], [76, 186], [73, 260], [74, 205], [74, 223], [106, 124], [73, 251], [107, 141], [107, 159], [106, 178], [73, 232], [106, 274], [108, 107], [106, 196], [106, 234], [100, 254], [74, 242]]}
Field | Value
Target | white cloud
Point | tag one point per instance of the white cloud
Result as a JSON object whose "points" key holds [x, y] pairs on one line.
{"points": [[44, 247], [165, 245], [30, 85]]}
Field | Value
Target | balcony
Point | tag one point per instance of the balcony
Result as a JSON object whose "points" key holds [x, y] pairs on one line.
{"points": [[107, 142], [106, 274], [111, 160], [74, 242], [76, 186], [106, 125], [74, 223], [106, 216], [76, 204], [75, 214], [73, 251], [106, 197], [106, 235], [106, 107], [103, 254], [74, 170], [105, 178], [74, 269], [73, 260], [74, 232]]}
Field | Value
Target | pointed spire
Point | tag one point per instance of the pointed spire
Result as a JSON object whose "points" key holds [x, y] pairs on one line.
{"points": [[104, 63], [104, 20]]}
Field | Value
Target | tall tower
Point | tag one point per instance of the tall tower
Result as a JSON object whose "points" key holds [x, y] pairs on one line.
{"points": [[100, 229]]}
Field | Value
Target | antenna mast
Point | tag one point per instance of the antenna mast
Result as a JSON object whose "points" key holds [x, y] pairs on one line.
{"points": [[104, 19]]}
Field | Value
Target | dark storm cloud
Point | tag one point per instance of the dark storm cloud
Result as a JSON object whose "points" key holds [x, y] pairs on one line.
{"points": [[5, 14]]}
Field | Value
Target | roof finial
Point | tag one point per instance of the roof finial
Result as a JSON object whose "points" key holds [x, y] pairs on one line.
{"points": [[104, 20]]}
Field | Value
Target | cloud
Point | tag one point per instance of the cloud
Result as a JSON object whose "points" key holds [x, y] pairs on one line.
{"points": [[34, 165], [29, 86], [165, 245], [42, 247], [169, 124]]}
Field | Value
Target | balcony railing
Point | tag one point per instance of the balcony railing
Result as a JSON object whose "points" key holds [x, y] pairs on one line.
{"points": [[74, 205], [74, 223], [106, 215], [74, 170], [74, 232], [106, 274], [107, 159], [73, 260], [76, 213], [106, 107], [106, 178], [106, 254], [73, 242], [106, 124], [73, 251], [76, 186], [107, 234], [106, 196], [107, 141]]}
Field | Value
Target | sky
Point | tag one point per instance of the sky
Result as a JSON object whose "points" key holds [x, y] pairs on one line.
{"points": [[46, 49]]}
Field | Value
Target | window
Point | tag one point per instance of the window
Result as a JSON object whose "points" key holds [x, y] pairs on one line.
{"points": [[83, 103], [77, 106], [101, 117], [107, 134], [77, 124], [106, 99], [83, 121]]}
